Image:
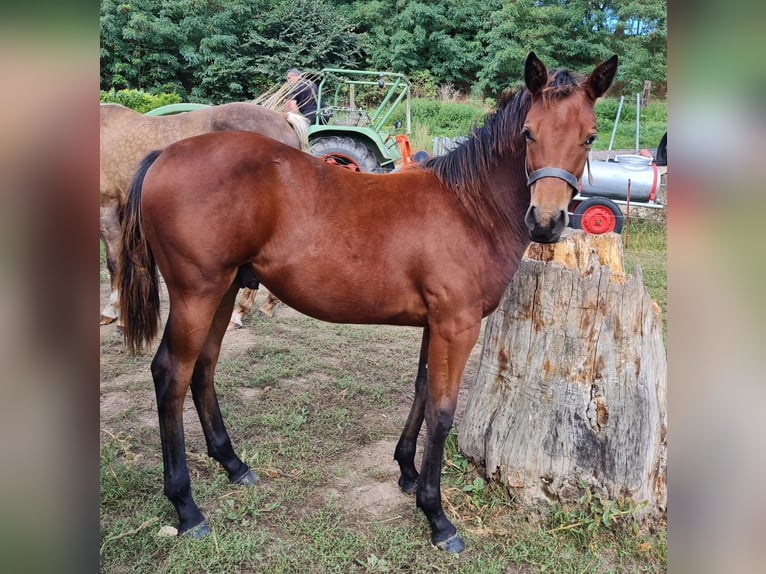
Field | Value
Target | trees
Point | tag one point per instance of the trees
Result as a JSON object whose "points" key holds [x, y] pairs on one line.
{"points": [[187, 46], [223, 50], [218, 50]]}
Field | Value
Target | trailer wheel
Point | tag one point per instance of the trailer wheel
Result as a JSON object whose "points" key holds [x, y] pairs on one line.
{"points": [[597, 215], [345, 152]]}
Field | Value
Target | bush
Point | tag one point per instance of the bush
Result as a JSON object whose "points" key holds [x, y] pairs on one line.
{"points": [[449, 119], [139, 100]]}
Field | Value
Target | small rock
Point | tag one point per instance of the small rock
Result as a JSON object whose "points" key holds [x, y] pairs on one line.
{"points": [[167, 531]]}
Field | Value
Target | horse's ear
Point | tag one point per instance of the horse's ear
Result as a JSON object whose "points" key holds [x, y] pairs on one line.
{"points": [[535, 74], [601, 77]]}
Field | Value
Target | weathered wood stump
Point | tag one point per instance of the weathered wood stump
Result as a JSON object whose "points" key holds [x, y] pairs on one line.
{"points": [[571, 385]]}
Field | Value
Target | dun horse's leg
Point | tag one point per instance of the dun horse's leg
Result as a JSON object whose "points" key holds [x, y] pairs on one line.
{"points": [[447, 354], [407, 445], [243, 308], [268, 307], [110, 236], [185, 334], [203, 392]]}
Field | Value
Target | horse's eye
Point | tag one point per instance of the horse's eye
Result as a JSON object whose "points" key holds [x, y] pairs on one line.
{"points": [[527, 134], [589, 141]]}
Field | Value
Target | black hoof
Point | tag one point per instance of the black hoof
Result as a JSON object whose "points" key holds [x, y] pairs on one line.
{"points": [[408, 485], [197, 532], [453, 544], [247, 479]]}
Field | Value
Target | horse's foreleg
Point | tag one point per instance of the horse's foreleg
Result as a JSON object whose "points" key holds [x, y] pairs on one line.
{"points": [[243, 307], [407, 445], [185, 334], [447, 354], [203, 392]]}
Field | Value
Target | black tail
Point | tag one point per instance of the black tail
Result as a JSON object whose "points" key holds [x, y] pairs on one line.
{"points": [[136, 270]]}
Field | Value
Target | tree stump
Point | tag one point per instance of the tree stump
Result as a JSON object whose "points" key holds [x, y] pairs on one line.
{"points": [[571, 384]]}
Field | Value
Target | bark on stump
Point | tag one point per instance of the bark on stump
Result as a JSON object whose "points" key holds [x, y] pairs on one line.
{"points": [[571, 385]]}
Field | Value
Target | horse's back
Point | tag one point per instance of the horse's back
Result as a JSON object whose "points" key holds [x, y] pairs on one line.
{"points": [[254, 118], [127, 136]]}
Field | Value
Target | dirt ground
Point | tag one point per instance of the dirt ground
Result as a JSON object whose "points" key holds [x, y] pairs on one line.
{"points": [[364, 484]]}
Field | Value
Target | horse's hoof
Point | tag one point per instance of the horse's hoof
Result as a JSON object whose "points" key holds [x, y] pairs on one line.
{"points": [[232, 326], [263, 314], [247, 479], [197, 532], [107, 320], [453, 544], [408, 486]]}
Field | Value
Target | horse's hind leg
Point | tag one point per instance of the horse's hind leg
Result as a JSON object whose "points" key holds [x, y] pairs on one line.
{"points": [[186, 332], [267, 308], [407, 445], [110, 236], [203, 392], [243, 308]]}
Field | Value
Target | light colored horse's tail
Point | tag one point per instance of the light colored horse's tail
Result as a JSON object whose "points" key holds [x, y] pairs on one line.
{"points": [[300, 125], [136, 270]]}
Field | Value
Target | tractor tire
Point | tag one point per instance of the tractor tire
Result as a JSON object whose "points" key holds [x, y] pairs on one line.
{"points": [[597, 215], [346, 152]]}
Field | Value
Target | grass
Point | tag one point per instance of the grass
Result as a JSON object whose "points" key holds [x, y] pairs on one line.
{"points": [[299, 434]]}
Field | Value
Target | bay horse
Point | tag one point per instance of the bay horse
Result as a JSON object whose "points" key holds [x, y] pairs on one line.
{"points": [[127, 136], [434, 246]]}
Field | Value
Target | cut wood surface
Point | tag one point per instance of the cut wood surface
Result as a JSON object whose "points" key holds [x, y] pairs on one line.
{"points": [[571, 385]]}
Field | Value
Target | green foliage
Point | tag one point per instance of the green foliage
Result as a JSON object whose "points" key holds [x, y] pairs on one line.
{"points": [[606, 111], [139, 100], [422, 84], [449, 119], [653, 124], [595, 511], [215, 51], [306, 34]]}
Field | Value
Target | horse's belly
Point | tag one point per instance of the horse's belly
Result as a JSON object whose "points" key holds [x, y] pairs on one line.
{"points": [[337, 298]]}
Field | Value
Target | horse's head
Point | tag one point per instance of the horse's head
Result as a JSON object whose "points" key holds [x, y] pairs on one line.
{"points": [[559, 128]]}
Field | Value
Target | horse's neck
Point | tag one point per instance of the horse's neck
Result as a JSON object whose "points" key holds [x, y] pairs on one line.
{"points": [[508, 196]]}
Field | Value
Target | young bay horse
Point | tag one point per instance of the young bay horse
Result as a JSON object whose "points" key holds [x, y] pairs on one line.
{"points": [[127, 136], [433, 246]]}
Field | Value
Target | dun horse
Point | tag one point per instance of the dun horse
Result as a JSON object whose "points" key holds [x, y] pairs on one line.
{"points": [[433, 247], [127, 136]]}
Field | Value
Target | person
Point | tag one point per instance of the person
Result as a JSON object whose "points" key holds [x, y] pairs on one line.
{"points": [[302, 97]]}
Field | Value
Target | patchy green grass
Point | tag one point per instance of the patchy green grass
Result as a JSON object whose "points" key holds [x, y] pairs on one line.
{"points": [[333, 390]]}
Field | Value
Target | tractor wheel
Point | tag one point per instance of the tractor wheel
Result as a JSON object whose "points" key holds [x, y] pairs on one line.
{"points": [[597, 215], [345, 152]]}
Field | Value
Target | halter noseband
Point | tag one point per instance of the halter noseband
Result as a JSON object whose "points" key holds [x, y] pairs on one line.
{"points": [[558, 173]]}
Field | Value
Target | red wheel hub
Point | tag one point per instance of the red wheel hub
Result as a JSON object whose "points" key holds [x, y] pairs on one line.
{"points": [[345, 161], [598, 219]]}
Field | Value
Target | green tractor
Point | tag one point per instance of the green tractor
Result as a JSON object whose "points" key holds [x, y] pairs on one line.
{"points": [[353, 108]]}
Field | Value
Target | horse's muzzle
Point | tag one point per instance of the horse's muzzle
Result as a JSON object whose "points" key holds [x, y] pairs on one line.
{"points": [[545, 230]]}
